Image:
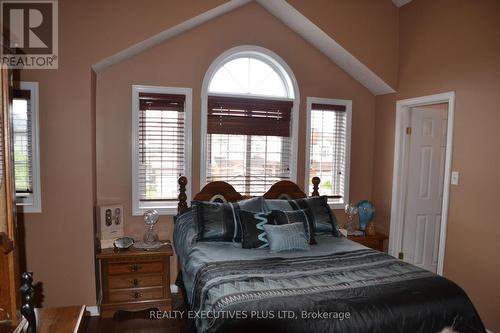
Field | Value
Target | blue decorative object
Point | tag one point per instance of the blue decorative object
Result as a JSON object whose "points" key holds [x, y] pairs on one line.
{"points": [[366, 211]]}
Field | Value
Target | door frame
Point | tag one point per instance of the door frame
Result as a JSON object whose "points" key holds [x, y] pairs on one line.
{"points": [[400, 173]]}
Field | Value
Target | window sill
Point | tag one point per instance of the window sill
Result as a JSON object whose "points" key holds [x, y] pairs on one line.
{"points": [[28, 203], [164, 211], [23, 208], [336, 205]]}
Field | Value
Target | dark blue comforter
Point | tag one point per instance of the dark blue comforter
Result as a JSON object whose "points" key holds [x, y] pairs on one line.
{"points": [[338, 286]]}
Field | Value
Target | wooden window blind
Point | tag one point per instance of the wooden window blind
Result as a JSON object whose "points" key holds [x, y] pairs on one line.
{"points": [[161, 145], [230, 115], [22, 138], [248, 142], [328, 147]]}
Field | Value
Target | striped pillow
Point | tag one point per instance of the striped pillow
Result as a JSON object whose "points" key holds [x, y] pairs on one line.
{"points": [[220, 221], [322, 217], [286, 237], [296, 216]]}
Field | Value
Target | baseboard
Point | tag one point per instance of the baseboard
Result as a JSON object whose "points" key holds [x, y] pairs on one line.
{"points": [[93, 310]]}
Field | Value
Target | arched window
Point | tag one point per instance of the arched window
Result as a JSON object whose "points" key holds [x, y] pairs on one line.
{"points": [[252, 74], [249, 120]]}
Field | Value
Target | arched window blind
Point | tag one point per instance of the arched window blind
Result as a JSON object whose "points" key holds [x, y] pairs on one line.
{"points": [[233, 115]]}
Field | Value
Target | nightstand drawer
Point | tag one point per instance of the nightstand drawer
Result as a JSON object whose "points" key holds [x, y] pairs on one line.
{"points": [[375, 242], [118, 296], [371, 243], [137, 267], [118, 282]]}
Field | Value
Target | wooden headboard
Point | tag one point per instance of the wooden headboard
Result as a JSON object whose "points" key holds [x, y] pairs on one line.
{"points": [[223, 192]]}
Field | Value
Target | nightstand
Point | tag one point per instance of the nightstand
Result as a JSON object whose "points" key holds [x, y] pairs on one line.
{"points": [[134, 279], [375, 242]]}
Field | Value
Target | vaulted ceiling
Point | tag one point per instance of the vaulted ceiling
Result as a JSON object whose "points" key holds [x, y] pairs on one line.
{"points": [[287, 14]]}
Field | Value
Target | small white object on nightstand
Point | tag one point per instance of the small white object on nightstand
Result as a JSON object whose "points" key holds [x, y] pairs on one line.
{"points": [[110, 224]]}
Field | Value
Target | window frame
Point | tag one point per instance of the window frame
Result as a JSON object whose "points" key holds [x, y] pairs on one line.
{"points": [[169, 208], [348, 105], [280, 67], [32, 202]]}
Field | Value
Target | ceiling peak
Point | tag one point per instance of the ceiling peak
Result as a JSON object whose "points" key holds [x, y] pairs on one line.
{"points": [[400, 3], [286, 13]]}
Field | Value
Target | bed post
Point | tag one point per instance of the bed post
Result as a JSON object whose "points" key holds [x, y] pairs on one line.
{"points": [[182, 205], [315, 181]]}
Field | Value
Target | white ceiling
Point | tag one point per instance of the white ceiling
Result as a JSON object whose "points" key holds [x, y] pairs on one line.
{"points": [[400, 3]]}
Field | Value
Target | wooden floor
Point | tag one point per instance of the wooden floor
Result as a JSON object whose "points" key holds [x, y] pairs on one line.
{"points": [[137, 322], [98, 325]]}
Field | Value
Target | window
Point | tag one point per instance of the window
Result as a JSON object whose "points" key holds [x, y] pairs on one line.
{"points": [[251, 74], [26, 150], [249, 121], [249, 142], [328, 142], [161, 150]]}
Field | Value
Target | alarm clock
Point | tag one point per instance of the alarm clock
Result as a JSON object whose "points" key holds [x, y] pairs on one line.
{"points": [[110, 224]]}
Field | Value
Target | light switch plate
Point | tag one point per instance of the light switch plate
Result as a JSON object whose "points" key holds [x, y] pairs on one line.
{"points": [[454, 177]]}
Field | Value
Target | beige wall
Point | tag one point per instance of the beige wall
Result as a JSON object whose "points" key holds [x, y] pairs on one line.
{"points": [[444, 45], [453, 45], [166, 65], [58, 241]]}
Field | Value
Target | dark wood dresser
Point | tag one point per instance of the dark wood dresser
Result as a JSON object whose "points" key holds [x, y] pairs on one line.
{"points": [[134, 280], [375, 242], [65, 319]]}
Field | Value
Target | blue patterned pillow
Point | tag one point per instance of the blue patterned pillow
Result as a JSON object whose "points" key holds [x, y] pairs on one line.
{"points": [[252, 226], [322, 217], [220, 221], [287, 237], [302, 215]]}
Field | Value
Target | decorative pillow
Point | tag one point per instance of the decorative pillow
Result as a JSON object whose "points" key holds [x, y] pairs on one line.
{"points": [[294, 216], [220, 221], [286, 237], [252, 225], [322, 217]]}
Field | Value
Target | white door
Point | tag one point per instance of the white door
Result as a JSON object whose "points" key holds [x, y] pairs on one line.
{"points": [[424, 196]]}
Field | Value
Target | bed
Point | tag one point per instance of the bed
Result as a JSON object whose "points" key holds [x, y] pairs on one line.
{"points": [[336, 286]]}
